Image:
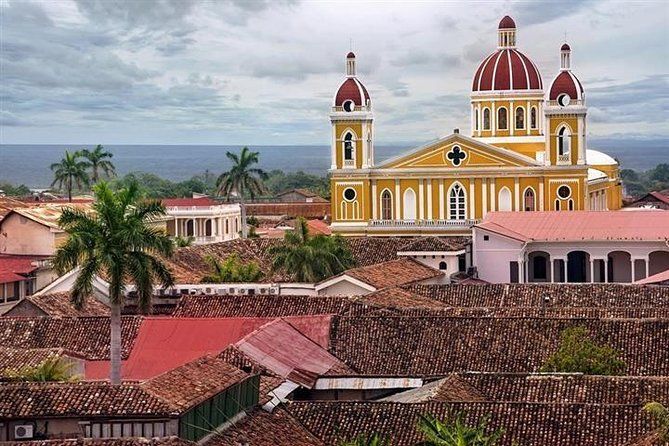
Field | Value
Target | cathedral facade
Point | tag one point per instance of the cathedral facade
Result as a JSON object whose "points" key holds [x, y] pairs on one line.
{"points": [[527, 151]]}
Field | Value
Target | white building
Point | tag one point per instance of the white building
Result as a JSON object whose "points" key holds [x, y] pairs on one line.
{"points": [[579, 246], [204, 219]]}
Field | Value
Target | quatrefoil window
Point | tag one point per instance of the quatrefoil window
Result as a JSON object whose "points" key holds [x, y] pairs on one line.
{"points": [[456, 155]]}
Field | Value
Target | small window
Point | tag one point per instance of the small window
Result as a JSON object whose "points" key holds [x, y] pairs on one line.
{"points": [[443, 266], [564, 192], [533, 118], [386, 205], [462, 263], [349, 194], [349, 106], [564, 141], [348, 146], [513, 272], [571, 204], [476, 119], [486, 238], [529, 200], [502, 123], [486, 119], [557, 205], [520, 118]]}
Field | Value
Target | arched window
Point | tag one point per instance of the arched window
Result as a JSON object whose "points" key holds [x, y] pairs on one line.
{"points": [[533, 118], [190, 228], [486, 119], [528, 199], [236, 226], [409, 204], [501, 119], [476, 119], [504, 202], [227, 226], [564, 141], [207, 228], [520, 118], [571, 204], [349, 147], [557, 205], [457, 203], [386, 205], [443, 266]]}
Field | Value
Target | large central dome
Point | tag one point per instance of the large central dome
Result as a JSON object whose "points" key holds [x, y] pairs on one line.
{"points": [[507, 68]]}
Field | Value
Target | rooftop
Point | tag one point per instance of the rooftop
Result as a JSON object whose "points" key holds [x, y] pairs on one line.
{"points": [[393, 273], [60, 305], [579, 225]]}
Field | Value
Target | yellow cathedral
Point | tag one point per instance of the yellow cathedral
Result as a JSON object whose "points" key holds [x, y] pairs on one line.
{"points": [[527, 152]]}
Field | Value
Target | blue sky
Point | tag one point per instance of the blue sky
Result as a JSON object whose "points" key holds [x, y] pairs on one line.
{"points": [[264, 72]]}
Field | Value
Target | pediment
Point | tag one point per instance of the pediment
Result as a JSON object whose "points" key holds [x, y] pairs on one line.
{"points": [[458, 151]]}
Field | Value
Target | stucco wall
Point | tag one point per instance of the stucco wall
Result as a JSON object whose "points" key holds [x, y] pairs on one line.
{"points": [[492, 256], [343, 288], [19, 235]]}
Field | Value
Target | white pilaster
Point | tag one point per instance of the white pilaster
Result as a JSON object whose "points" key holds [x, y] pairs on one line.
{"points": [[516, 194], [374, 201], [421, 200], [484, 197], [365, 146], [429, 199], [511, 118], [398, 213], [493, 119], [528, 117], [493, 195], [472, 207], [441, 199], [541, 195], [581, 149], [333, 150]]}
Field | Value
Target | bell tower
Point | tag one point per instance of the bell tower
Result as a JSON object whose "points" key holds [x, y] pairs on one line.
{"points": [[352, 123], [565, 114]]}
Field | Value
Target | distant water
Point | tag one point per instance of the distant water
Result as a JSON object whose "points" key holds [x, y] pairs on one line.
{"points": [[29, 164]]}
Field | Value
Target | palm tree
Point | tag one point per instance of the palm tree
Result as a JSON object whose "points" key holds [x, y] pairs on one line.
{"points": [[310, 259], [454, 431], [366, 440], [99, 160], [70, 172], [183, 241], [241, 180], [53, 368], [661, 415], [117, 240]]}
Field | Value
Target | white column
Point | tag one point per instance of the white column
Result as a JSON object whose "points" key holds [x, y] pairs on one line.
{"points": [[421, 200], [511, 119], [581, 149], [552, 268], [365, 148], [472, 120], [647, 262], [472, 203], [516, 194], [484, 197], [493, 118], [441, 200], [592, 269], [541, 195], [398, 214], [176, 227], [633, 268], [493, 195], [374, 200], [333, 150], [429, 199], [606, 269], [528, 117], [480, 120]]}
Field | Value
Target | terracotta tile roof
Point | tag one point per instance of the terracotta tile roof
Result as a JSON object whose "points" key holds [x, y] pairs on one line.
{"points": [[393, 273], [87, 336], [194, 382], [60, 305], [401, 297], [189, 266], [13, 268], [259, 306], [168, 441], [261, 428], [85, 399], [7, 204], [579, 225], [15, 358], [436, 244], [436, 345], [301, 191], [648, 440], [529, 424], [564, 300]]}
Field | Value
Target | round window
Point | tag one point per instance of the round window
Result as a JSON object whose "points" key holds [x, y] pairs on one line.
{"points": [[564, 192], [349, 194], [563, 99], [349, 105]]}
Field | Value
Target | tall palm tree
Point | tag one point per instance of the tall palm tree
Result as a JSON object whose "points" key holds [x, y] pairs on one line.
{"points": [[310, 259], [70, 172], [242, 179], [99, 160], [118, 241]]}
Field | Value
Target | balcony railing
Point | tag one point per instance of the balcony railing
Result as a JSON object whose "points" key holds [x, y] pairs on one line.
{"points": [[564, 159], [357, 108], [349, 163], [571, 102], [466, 223]]}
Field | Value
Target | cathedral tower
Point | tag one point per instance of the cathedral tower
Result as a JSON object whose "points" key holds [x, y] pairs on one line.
{"points": [[352, 123]]}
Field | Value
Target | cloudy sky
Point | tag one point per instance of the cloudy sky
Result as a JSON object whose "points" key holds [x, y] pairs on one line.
{"points": [[264, 72]]}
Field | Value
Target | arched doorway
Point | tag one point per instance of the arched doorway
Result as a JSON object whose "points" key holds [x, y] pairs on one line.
{"points": [[207, 228], [658, 261], [190, 228], [620, 267], [538, 267], [578, 263]]}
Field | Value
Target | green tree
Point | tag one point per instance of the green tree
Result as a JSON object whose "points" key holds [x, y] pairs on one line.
{"points": [[118, 240], [232, 270], [366, 440], [578, 353], [242, 180], [12, 190], [70, 172], [455, 431], [310, 259], [661, 415], [99, 160], [54, 368], [183, 242]]}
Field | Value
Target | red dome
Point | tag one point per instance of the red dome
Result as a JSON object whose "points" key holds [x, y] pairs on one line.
{"points": [[350, 55], [566, 82], [565, 47], [507, 69], [507, 23], [351, 89]]}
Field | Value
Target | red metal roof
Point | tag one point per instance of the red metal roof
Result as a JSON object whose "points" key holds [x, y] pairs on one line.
{"points": [[186, 202], [12, 266], [566, 82], [660, 277], [351, 89], [164, 343], [507, 69], [281, 348], [579, 225], [507, 23]]}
